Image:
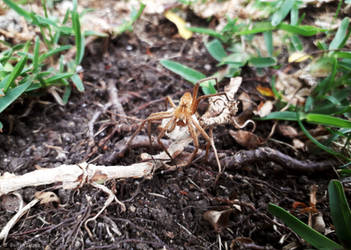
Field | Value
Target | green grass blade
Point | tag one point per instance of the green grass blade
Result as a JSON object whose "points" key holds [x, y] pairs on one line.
{"points": [[187, 73], [268, 40], [340, 212], [16, 72], [310, 235], [304, 30], [190, 75], [67, 94], [77, 82], [57, 77], [340, 34], [13, 94], [36, 54], [282, 12], [285, 115], [1, 127], [328, 120], [18, 9], [216, 49], [257, 28], [79, 39], [320, 145], [206, 31], [262, 62], [53, 52]]}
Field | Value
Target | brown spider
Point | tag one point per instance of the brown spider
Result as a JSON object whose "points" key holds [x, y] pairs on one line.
{"points": [[181, 115]]}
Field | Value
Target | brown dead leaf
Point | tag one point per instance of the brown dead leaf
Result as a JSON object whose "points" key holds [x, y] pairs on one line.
{"points": [[47, 197], [246, 139], [264, 108], [218, 219], [298, 144], [246, 101], [10, 203], [288, 131], [265, 91]]}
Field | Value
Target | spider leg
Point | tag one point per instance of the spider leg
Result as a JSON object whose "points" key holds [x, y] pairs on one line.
{"points": [[170, 101], [195, 138], [172, 123], [152, 117], [209, 141]]}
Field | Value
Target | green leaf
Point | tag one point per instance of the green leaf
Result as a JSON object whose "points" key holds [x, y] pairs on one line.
{"points": [[187, 73], [18, 9], [295, 40], [257, 28], [262, 62], [79, 39], [285, 115], [190, 75], [77, 82], [328, 120], [67, 94], [340, 212], [304, 30], [340, 35], [36, 54], [13, 94], [343, 54], [1, 127], [57, 77], [268, 39], [216, 49], [282, 12], [206, 31], [16, 72], [53, 52], [310, 235]]}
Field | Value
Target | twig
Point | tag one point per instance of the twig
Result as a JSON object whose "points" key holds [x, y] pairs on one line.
{"points": [[245, 157]]}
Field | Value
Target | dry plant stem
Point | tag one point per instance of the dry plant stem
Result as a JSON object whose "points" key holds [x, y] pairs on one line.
{"points": [[244, 157], [5, 231], [109, 200], [73, 176]]}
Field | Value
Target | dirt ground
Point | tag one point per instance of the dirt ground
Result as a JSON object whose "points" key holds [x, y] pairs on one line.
{"points": [[165, 212]]}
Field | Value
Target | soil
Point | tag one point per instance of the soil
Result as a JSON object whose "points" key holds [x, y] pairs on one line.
{"points": [[165, 212]]}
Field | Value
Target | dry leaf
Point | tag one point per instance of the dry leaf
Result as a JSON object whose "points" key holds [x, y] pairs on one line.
{"points": [[180, 23], [246, 139], [265, 91], [218, 219], [265, 108], [298, 144], [246, 101], [288, 131], [298, 56], [47, 197]]}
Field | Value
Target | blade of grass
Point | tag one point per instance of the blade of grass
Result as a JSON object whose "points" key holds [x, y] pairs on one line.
{"points": [[216, 49], [282, 12], [36, 54], [340, 212], [340, 34], [16, 72], [53, 52], [18, 9], [313, 237], [268, 39], [13, 94], [77, 82], [262, 62], [320, 145], [57, 77], [206, 31], [79, 39], [187, 73], [328, 120]]}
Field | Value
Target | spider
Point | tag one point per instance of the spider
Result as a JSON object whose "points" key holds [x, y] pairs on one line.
{"points": [[180, 115]]}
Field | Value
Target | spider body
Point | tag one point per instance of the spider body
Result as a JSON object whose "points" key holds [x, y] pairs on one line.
{"points": [[182, 116]]}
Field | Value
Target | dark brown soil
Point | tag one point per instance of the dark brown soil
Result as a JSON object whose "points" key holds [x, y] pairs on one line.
{"points": [[167, 210]]}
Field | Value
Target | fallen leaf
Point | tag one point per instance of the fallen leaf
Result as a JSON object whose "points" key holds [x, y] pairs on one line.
{"points": [[47, 197], [265, 91], [288, 131], [246, 101], [298, 144], [218, 219], [264, 108], [298, 56], [180, 23], [246, 139]]}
